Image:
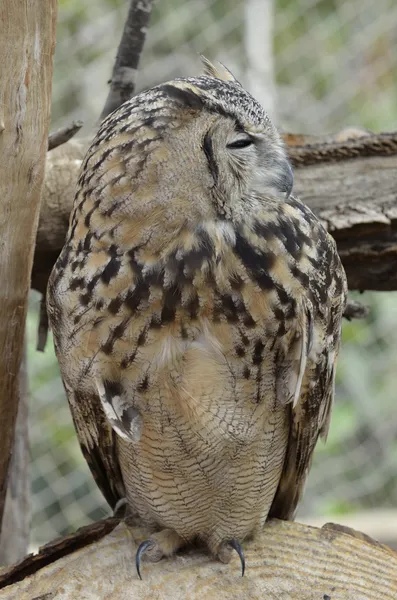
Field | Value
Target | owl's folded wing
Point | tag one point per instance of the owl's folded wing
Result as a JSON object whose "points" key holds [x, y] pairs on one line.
{"points": [[310, 408], [97, 441]]}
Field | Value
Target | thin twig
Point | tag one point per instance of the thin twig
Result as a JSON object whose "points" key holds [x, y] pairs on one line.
{"points": [[42, 330], [64, 134], [125, 70], [355, 310]]}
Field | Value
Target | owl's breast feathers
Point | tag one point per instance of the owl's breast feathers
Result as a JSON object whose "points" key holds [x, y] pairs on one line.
{"points": [[257, 306]]}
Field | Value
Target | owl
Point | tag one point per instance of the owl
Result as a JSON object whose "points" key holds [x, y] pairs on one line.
{"points": [[196, 309]]}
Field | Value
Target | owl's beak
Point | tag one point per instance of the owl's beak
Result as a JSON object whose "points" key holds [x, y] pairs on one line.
{"points": [[287, 179]]}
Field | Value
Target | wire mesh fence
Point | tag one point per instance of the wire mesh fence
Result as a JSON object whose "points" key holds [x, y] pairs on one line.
{"points": [[317, 65]]}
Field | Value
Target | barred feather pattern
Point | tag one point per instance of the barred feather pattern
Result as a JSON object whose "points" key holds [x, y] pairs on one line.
{"points": [[196, 308]]}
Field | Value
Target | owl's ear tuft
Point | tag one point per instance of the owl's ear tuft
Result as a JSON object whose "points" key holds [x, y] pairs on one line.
{"points": [[218, 71]]}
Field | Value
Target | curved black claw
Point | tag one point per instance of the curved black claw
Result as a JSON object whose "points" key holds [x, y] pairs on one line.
{"points": [[141, 550], [237, 547]]}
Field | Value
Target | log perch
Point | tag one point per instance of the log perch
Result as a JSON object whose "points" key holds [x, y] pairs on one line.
{"points": [[288, 561], [357, 201]]}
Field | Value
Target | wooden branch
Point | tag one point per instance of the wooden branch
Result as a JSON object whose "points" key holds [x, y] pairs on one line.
{"points": [[356, 199], [64, 134], [26, 46], [337, 148], [125, 70], [288, 560]]}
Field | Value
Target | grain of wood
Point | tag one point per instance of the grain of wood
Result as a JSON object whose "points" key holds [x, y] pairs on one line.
{"points": [[14, 537], [288, 561], [357, 201], [26, 48]]}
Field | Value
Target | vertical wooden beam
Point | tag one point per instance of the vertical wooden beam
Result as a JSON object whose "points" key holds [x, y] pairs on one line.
{"points": [[14, 536], [27, 41]]}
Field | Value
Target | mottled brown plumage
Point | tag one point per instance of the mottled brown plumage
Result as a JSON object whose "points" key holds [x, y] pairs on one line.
{"points": [[196, 308]]}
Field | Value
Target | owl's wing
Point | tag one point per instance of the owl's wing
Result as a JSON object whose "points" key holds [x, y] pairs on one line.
{"points": [[97, 441], [96, 436], [308, 373]]}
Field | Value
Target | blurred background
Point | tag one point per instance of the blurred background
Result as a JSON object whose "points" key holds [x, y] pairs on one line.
{"points": [[317, 66]]}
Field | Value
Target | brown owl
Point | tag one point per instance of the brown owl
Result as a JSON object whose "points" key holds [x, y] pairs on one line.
{"points": [[196, 308]]}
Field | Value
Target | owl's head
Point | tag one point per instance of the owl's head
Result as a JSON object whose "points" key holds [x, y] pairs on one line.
{"points": [[203, 145]]}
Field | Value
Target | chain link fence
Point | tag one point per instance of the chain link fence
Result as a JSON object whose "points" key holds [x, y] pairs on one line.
{"points": [[317, 66]]}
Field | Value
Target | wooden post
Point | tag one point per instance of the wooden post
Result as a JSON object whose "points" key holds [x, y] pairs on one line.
{"points": [[27, 40]]}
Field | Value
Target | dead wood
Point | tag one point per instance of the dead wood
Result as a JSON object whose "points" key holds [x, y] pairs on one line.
{"points": [[125, 70], [14, 537], [26, 46], [64, 134], [288, 561]]}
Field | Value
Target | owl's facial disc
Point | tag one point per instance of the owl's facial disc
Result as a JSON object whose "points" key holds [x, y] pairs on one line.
{"points": [[264, 159], [248, 165], [244, 153]]}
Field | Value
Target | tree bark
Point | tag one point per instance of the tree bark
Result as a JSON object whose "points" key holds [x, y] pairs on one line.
{"points": [[357, 201], [287, 561], [125, 70], [14, 537], [27, 43]]}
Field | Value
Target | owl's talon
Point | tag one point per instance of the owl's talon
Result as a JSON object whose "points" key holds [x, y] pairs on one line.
{"points": [[238, 548], [143, 546], [162, 543]]}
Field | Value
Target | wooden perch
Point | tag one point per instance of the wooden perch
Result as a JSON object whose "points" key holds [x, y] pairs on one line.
{"points": [[355, 196], [351, 186], [288, 561]]}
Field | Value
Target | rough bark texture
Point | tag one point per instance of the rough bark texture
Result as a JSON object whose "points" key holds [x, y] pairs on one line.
{"points": [[62, 168], [63, 135], [14, 537], [26, 48], [354, 195], [357, 200], [125, 70], [288, 561]]}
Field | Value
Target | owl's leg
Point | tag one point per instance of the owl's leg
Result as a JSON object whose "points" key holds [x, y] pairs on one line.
{"points": [[224, 553], [162, 543]]}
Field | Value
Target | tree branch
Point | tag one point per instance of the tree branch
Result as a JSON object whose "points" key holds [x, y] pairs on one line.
{"points": [[26, 46], [125, 70], [63, 135], [356, 200], [311, 151], [287, 560]]}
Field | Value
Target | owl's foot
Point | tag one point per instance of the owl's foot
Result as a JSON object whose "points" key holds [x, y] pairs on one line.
{"points": [[225, 551], [163, 543]]}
